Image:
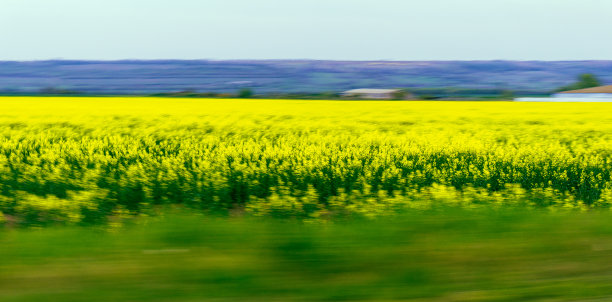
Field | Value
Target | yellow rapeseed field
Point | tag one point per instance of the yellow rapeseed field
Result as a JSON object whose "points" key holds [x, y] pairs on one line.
{"points": [[74, 160]]}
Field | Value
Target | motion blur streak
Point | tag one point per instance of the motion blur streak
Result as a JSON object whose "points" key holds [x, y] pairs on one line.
{"points": [[443, 256]]}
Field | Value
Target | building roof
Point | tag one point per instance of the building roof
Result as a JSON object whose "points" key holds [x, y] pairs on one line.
{"points": [[367, 91], [600, 89]]}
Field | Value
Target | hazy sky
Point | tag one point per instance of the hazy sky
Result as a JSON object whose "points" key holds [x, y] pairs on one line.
{"points": [[306, 29]]}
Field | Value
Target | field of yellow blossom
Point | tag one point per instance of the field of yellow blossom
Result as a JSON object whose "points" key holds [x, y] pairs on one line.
{"points": [[73, 160]]}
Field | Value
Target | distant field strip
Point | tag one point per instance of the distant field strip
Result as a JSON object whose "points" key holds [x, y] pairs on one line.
{"points": [[73, 160]]}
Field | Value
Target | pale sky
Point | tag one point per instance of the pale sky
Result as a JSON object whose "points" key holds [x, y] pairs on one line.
{"points": [[306, 29]]}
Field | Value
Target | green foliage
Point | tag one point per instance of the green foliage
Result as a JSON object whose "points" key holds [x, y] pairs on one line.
{"points": [[585, 80], [245, 93], [400, 94], [507, 94], [370, 204]]}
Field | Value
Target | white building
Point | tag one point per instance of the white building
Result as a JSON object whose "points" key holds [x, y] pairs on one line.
{"points": [[594, 94], [377, 94]]}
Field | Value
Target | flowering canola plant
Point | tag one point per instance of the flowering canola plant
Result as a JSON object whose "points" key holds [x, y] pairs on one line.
{"points": [[79, 160]]}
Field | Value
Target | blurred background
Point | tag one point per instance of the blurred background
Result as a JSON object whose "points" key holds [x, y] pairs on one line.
{"points": [[275, 48], [294, 78]]}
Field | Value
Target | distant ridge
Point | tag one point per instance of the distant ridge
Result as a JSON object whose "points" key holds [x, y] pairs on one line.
{"points": [[287, 76]]}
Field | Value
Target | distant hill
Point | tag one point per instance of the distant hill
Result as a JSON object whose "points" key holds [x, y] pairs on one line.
{"points": [[288, 76]]}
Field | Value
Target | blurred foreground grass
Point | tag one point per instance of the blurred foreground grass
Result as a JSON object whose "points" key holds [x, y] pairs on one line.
{"points": [[453, 255]]}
